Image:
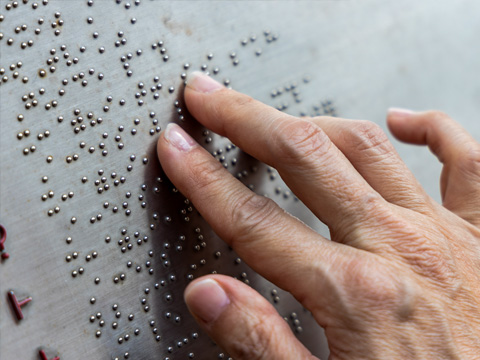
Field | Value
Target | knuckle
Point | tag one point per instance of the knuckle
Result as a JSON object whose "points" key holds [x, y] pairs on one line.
{"points": [[257, 342], [370, 284], [203, 174], [470, 161], [424, 251], [226, 103], [433, 117], [298, 140], [241, 100], [378, 289], [368, 136], [230, 101], [430, 263], [250, 215], [372, 204]]}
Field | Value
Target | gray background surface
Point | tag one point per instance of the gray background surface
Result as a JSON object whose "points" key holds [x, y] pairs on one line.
{"points": [[362, 56]]}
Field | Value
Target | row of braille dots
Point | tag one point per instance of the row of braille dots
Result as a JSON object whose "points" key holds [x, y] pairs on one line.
{"points": [[118, 314], [40, 136], [19, 30], [50, 62], [168, 315], [133, 20], [180, 344], [124, 59], [156, 127], [186, 212], [196, 248], [105, 186], [129, 56], [125, 244], [291, 88], [222, 157], [13, 70], [269, 37], [102, 186], [80, 270], [205, 68], [167, 298], [30, 99], [78, 125], [154, 88], [122, 40], [243, 276], [286, 193], [295, 322], [90, 116], [69, 61], [14, 4], [42, 73], [56, 209], [251, 39], [221, 153], [244, 174], [128, 4], [217, 254], [162, 49], [325, 107], [275, 296], [50, 194]]}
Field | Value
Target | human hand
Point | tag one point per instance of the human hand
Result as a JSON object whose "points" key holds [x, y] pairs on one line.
{"points": [[400, 278]]}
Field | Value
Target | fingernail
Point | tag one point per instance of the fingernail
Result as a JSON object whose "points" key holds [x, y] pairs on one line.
{"points": [[400, 112], [198, 81], [176, 136], [206, 299]]}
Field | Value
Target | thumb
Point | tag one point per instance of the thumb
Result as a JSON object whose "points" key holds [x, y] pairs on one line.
{"points": [[241, 321]]}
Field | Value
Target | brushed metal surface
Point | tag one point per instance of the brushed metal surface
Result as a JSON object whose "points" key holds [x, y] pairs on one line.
{"points": [[97, 236]]}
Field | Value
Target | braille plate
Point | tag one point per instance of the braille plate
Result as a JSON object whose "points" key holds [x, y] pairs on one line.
{"points": [[97, 244]]}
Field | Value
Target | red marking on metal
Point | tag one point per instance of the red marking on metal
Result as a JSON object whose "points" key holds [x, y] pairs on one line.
{"points": [[44, 356], [3, 238], [17, 305]]}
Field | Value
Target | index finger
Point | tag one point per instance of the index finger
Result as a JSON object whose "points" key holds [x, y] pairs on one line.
{"points": [[310, 164]]}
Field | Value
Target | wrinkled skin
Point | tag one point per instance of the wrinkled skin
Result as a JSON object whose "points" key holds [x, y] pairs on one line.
{"points": [[400, 280]]}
